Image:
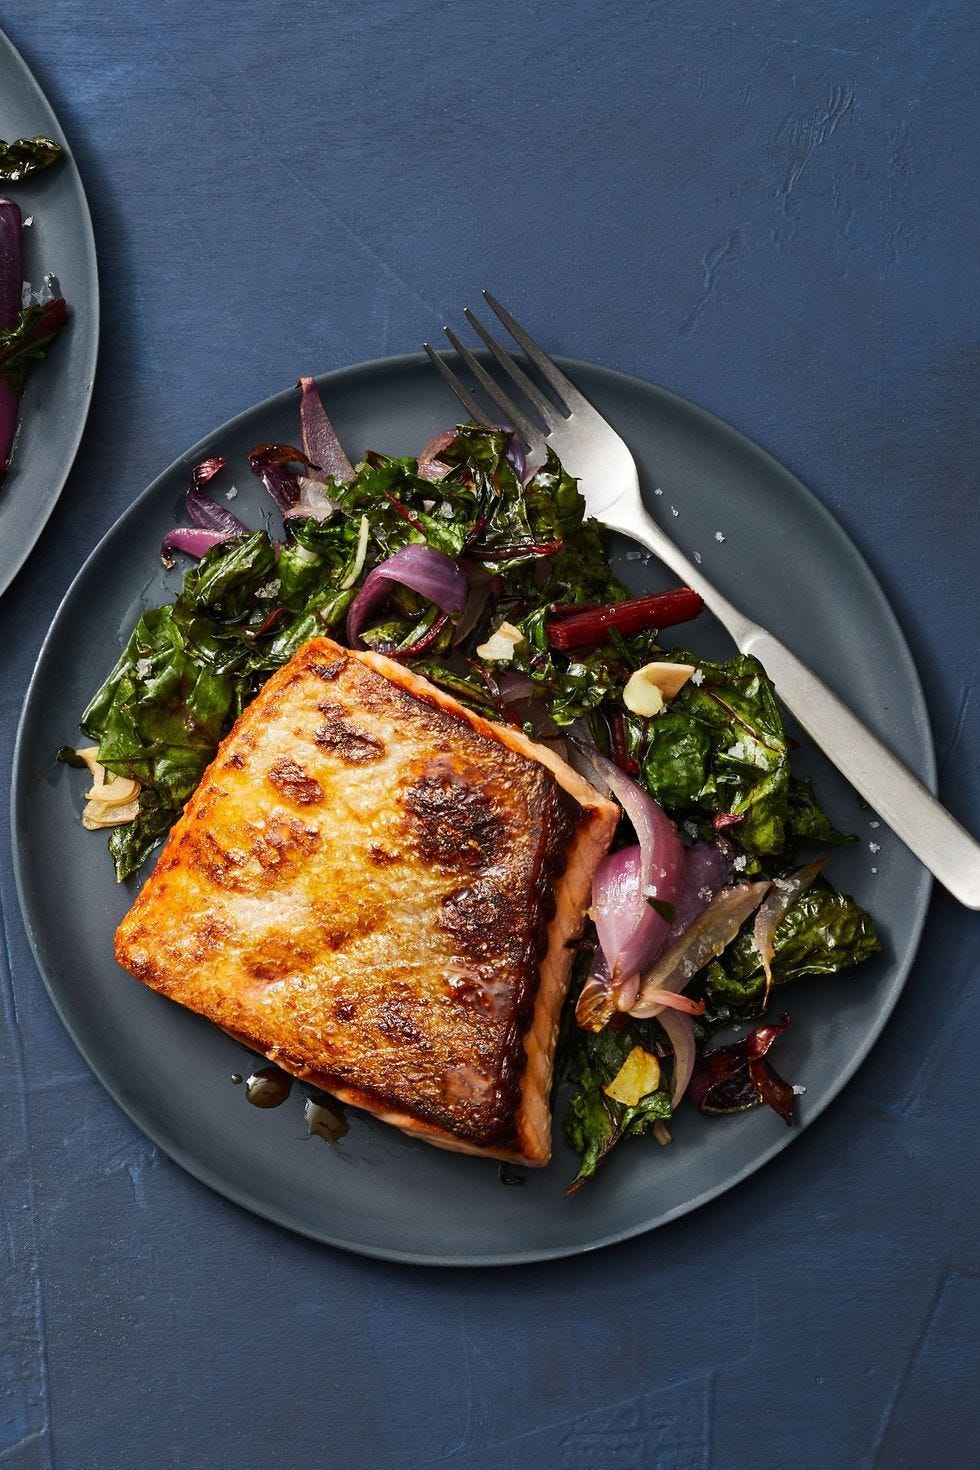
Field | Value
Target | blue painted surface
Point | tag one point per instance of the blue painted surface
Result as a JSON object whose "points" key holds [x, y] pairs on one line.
{"points": [[767, 208]]}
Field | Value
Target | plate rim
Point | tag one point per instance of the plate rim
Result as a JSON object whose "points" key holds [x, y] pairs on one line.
{"points": [[13, 569], [240, 1195]]}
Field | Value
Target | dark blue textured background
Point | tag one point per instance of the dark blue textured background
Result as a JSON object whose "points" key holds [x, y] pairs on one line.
{"points": [[767, 207]]}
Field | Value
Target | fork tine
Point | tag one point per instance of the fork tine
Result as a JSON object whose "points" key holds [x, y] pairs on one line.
{"points": [[465, 397], [566, 391], [549, 413], [519, 420]]}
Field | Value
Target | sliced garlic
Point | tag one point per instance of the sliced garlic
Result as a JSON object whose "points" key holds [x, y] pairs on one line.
{"points": [[639, 1074], [97, 814], [650, 686], [641, 697], [120, 791], [500, 646], [90, 755], [107, 803]]}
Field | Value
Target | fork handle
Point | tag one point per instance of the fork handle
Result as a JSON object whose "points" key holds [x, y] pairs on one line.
{"points": [[900, 799]]}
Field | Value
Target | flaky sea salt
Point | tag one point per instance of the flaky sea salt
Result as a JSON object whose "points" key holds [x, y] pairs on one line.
{"points": [[657, 490], [874, 847], [230, 494], [719, 536], [697, 677], [874, 824], [739, 863], [874, 872], [674, 511], [697, 557]]}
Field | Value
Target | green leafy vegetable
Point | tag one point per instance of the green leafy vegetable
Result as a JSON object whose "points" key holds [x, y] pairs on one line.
{"points": [[132, 842], [69, 756], [595, 1123], [824, 932], [26, 156], [187, 671], [808, 824], [23, 345], [719, 751]]}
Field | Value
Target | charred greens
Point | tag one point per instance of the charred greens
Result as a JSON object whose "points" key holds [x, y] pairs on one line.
{"points": [[26, 156], [595, 1123], [823, 933], [24, 344]]}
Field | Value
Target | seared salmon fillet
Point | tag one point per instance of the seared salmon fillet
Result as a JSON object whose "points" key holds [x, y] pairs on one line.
{"points": [[381, 891]]}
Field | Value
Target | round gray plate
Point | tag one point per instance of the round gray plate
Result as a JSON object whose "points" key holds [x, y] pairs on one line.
{"points": [[789, 565], [59, 242]]}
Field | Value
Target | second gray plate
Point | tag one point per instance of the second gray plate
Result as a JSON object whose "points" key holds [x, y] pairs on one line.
{"points": [[59, 242], [783, 559]]}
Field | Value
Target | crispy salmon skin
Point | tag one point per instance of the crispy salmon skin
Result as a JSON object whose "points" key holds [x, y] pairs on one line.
{"points": [[381, 891]]}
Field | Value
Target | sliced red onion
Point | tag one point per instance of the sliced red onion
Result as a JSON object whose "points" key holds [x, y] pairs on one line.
{"points": [[733, 1078], [514, 454], [779, 900], [11, 283], [429, 466], [707, 868], [207, 469], [673, 1001], [706, 938], [208, 515], [520, 696], [660, 873], [514, 687], [480, 586], [428, 572], [193, 540], [437, 444], [313, 504], [624, 923], [320, 443], [680, 1034], [432, 469], [270, 462], [205, 512], [11, 261], [43, 320]]}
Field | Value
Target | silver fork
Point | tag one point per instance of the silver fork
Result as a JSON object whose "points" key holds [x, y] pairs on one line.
{"points": [[591, 450]]}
